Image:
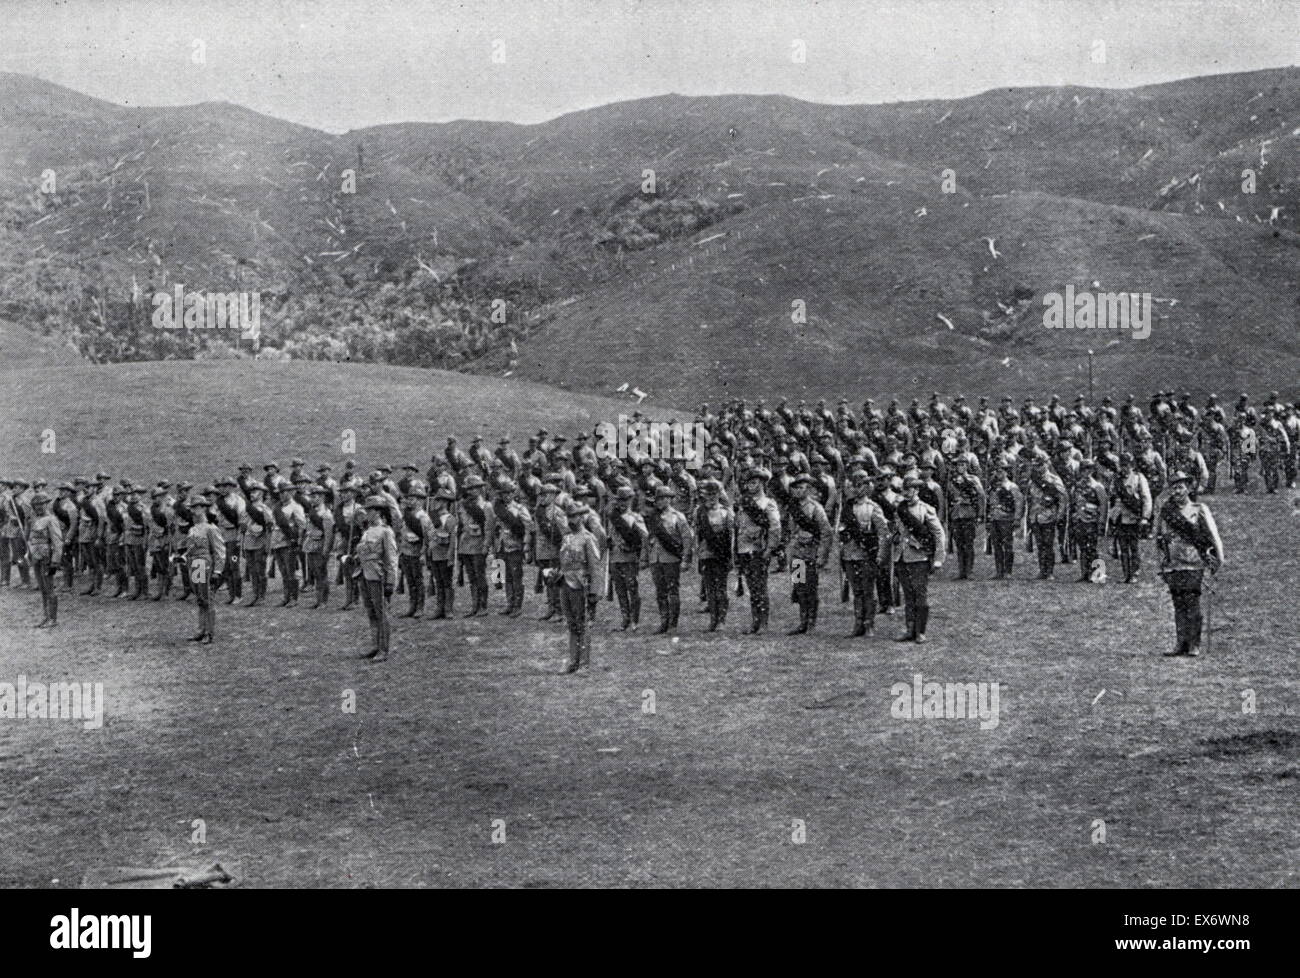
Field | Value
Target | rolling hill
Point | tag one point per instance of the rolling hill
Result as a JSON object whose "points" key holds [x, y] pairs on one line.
{"points": [[689, 287]]}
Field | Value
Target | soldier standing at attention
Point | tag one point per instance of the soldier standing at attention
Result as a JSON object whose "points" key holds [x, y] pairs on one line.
{"points": [[65, 508], [317, 542], [205, 554], [259, 522], [477, 528], [289, 523], [758, 526], [229, 518], [1132, 504], [668, 544], [45, 547], [627, 536], [967, 506], [920, 544], [90, 523], [160, 534], [375, 569], [863, 524], [442, 550], [579, 576], [514, 527], [1006, 509], [1189, 542], [715, 527], [1089, 512], [413, 545], [810, 538], [550, 523], [1048, 505], [1243, 447]]}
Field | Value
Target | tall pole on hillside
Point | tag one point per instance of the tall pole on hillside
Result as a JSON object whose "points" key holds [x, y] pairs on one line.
{"points": [[1090, 398]]}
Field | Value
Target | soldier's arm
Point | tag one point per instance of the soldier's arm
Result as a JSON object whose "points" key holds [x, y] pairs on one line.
{"points": [[940, 538]]}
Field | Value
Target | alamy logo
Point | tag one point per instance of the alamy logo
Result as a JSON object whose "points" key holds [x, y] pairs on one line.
{"points": [[241, 311], [920, 700], [53, 701], [686, 441], [1105, 310], [100, 931]]}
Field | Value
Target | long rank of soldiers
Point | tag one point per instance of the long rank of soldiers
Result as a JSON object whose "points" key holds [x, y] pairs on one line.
{"points": [[887, 493]]}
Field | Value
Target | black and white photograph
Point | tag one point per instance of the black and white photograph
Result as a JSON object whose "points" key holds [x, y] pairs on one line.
{"points": [[651, 444]]}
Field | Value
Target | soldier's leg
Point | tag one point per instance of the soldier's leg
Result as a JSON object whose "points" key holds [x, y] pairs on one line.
{"points": [[672, 580], [921, 590], [574, 604], [619, 576], [661, 595], [813, 582], [234, 576], [368, 598], [480, 571], [5, 562], [68, 566], [856, 581], [909, 601], [515, 573]]}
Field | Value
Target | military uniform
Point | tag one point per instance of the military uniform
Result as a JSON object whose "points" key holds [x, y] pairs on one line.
{"points": [[159, 540], [1006, 508], [45, 546], [259, 528], [920, 543], [549, 523], [1089, 513], [228, 517], [668, 543], [1132, 505], [1189, 542], [317, 543], [809, 540], [477, 528], [1048, 506], [443, 532], [626, 538], [579, 576], [967, 506], [714, 528], [413, 547], [375, 568], [758, 527], [863, 525], [288, 523], [514, 527], [205, 554]]}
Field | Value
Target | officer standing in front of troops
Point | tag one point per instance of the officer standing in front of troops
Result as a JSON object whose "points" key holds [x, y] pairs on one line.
{"points": [[758, 528], [477, 528], [45, 548], [1089, 513], [204, 552], [289, 521], [920, 544], [1189, 542], [1006, 509], [317, 542], [443, 533], [809, 538], [1243, 447], [159, 541], [627, 536], [413, 546], [668, 545], [258, 527], [579, 582], [714, 529], [967, 505], [228, 516], [863, 525], [375, 568], [1132, 507], [514, 525], [1048, 505]]}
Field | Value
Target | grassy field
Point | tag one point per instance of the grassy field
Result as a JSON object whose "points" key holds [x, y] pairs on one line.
{"points": [[200, 419], [470, 723]]}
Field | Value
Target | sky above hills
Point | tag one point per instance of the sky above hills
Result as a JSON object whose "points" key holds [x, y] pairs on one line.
{"points": [[343, 64]]}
